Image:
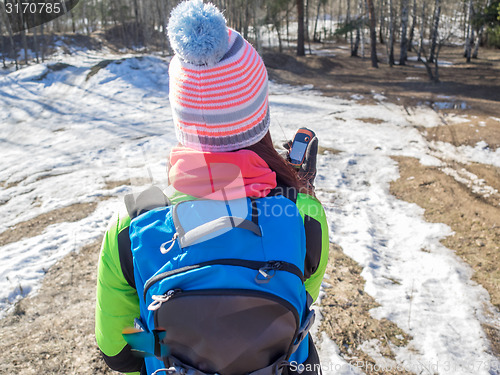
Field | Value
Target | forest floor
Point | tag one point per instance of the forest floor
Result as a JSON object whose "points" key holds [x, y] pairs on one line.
{"points": [[51, 332]]}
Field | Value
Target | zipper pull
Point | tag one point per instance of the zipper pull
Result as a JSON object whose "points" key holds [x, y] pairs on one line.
{"points": [[275, 265], [171, 242], [158, 300], [267, 271]]}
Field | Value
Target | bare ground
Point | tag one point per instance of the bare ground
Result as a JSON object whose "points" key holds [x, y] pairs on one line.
{"points": [[346, 317], [473, 218], [36, 225], [52, 332]]}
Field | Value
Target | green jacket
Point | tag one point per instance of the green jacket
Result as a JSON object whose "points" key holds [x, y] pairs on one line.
{"points": [[117, 302]]}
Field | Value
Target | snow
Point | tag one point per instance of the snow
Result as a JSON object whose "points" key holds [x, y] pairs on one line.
{"points": [[66, 134], [440, 62]]}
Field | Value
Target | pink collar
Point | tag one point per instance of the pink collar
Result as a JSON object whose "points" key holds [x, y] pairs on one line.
{"points": [[220, 175]]}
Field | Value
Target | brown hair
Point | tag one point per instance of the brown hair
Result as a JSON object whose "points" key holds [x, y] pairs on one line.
{"points": [[285, 174]]}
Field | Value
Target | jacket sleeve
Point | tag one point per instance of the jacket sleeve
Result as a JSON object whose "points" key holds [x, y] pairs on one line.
{"points": [[117, 304], [317, 242]]}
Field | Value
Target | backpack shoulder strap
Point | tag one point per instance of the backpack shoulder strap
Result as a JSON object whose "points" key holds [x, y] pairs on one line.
{"points": [[152, 197], [286, 191]]}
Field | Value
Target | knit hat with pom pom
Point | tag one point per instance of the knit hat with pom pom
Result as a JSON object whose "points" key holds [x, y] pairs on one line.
{"points": [[218, 82]]}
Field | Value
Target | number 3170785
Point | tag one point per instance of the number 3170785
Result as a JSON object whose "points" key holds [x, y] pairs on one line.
{"points": [[33, 8]]}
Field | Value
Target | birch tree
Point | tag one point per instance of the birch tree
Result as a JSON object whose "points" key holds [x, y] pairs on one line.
{"points": [[404, 29], [390, 46], [470, 33], [435, 30], [413, 25], [381, 32], [321, 3], [349, 23], [422, 30]]}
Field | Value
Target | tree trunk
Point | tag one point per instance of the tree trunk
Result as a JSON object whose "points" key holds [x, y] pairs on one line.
{"points": [[306, 21], [422, 28], [413, 25], [381, 32], [435, 30], [137, 22], [348, 22], [404, 29], [280, 41], [391, 33], [300, 28], [478, 42], [42, 37], [470, 34], [373, 33], [315, 37], [85, 18], [35, 44], [2, 41], [162, 5], [11, 35], [436, 63], [23, 34], [339, 15], [104, 19], [256, 28], [354, 51], [362, 26], [287, 26], [73, 25]]}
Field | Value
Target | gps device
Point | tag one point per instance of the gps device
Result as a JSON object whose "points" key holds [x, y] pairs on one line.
{"points": [[299, 146]]}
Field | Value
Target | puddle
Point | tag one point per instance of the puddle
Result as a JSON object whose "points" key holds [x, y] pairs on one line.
{"points": [[439, 105], [449, 105]]}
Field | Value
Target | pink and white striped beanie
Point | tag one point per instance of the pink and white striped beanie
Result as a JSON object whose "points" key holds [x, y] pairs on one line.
{"points": [[218, 82]]}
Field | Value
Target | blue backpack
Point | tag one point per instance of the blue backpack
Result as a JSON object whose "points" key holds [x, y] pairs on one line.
{"points": [[222, 285]]}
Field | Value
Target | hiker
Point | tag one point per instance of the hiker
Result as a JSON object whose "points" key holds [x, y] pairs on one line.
{"points": [[225, 160]]}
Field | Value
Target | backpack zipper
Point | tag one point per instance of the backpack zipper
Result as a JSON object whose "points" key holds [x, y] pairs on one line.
{"points": [[266, 270], [158, 300], [177, 292]]}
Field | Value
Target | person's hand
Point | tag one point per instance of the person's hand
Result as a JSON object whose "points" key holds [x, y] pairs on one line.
{"points": [[307, 170]]}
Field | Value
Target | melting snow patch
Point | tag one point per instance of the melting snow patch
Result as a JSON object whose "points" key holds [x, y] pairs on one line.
{"points": [[476, 184], [331, 361], [379, 97]]}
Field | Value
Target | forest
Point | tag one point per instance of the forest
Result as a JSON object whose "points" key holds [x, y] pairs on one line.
{"points": [[30, 29]]}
